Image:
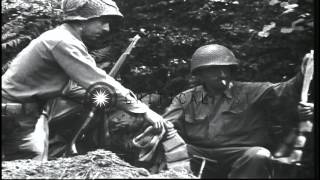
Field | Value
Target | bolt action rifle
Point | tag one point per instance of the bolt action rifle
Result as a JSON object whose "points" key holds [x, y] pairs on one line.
{"points": [[113, 73]]}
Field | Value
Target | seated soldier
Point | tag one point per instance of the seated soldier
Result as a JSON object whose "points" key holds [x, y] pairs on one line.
{"points": [[226, 120]]}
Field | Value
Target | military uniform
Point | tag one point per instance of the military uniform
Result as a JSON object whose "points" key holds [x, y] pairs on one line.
{"points": [[228, 127], [41, 71], [227, 120]]}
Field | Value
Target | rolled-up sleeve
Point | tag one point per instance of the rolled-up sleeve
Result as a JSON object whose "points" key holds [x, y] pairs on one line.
{"points": [[288, 90], [75, 60], [291, 88]]}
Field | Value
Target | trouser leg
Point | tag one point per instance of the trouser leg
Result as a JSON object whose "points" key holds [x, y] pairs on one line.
{"points": [[16, 132], [254, 163], [211, 170], [239, 162]]}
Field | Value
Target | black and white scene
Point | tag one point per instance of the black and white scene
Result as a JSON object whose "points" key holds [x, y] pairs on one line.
{"points": [[159, 89]]}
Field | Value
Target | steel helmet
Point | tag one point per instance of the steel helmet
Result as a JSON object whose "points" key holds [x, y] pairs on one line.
{"points": [[87, 9], [212, 55]]}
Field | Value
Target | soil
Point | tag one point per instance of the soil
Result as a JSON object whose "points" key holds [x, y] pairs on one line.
{"points": [[93, 165]]}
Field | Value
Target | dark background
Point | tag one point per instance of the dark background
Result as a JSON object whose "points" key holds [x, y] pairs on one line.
{"points": [[269, 37], [172, 30]]}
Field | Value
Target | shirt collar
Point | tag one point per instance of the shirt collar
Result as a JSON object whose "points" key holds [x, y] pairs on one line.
{"points": [[71, 30], [227, 93]]}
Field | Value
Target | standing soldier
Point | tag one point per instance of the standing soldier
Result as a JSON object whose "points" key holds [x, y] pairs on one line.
{"points": [[45, 66]]}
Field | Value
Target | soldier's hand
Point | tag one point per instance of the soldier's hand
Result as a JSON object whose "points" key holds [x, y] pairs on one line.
{"points": [[155, 119], [306, 111]]}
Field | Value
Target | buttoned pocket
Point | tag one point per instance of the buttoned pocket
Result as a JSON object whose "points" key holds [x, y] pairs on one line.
{"points": [[234, 111], [236, 108], [196, 118], [197, 113], [235, 121], [196, 127], [233, 114]]}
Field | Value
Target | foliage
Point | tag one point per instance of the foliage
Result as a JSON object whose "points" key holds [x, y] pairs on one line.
{"points": [[269, 37], [24, 20], [174, 29]]}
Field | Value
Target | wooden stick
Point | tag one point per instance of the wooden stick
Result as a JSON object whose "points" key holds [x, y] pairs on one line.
{"points": [[308, 75], [201, 168]]}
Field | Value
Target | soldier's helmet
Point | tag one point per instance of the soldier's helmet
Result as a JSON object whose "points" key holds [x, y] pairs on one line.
{"points": [[212, 55], [86, 9]]}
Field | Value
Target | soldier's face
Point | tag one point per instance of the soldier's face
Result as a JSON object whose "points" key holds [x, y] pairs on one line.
{"points": [[96, 33], [215, 77]]}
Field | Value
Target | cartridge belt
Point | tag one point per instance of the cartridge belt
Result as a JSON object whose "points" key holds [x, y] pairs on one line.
{"points": [[11, 108]]}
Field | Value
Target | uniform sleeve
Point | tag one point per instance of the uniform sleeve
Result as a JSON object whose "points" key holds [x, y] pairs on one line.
{"points": [[174, 113], [288, 90], [80, 66]]}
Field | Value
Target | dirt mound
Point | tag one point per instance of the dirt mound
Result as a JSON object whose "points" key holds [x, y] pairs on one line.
{"points": [[93, 165]]}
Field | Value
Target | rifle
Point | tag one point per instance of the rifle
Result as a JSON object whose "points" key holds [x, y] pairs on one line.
{"points": [[113, 72]]}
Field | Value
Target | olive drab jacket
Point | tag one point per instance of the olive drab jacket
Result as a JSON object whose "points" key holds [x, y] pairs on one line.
{"points": [[237, 118], [45, 66]]}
